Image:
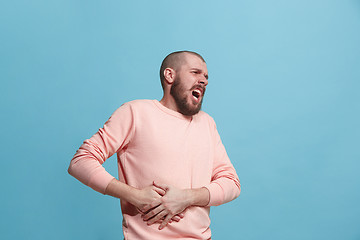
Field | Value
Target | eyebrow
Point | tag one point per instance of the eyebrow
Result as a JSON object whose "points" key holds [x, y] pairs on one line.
{"points": [[197, 69]]}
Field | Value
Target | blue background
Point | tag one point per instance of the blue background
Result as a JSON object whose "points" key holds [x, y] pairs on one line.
{"points": [[283, 89]]}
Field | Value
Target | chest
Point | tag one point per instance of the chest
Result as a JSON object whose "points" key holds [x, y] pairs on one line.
{"points": [[178, 150]]}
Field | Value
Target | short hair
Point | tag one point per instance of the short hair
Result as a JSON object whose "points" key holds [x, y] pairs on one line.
{"points": [[174, 60]]}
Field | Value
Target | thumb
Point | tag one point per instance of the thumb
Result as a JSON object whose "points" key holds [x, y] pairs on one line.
{"points": [[161, 185], [160, 191]]}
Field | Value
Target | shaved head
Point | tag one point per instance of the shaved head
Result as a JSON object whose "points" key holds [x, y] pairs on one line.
{"points": [[175, 60]]}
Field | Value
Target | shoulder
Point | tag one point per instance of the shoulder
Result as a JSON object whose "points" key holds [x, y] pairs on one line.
{"points": [[139, 103], [135, 108], [130, 106], [136, 104], [129, 111]]}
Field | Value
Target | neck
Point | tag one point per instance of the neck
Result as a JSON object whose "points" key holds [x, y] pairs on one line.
{"points": [[169, 102]]}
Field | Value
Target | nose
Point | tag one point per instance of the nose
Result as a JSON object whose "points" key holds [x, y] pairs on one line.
{"points": [[203, 80]]}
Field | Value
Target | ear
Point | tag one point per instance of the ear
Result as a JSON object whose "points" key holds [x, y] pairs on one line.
{"points": [[169, 75]]}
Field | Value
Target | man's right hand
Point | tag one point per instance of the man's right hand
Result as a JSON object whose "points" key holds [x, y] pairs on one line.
{"points": [[140, 198]]}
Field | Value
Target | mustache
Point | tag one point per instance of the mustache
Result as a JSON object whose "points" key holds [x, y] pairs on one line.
{"points": [[200, 86]]}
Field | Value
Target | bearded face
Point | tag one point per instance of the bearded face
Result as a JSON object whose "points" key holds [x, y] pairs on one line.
{"points": [[187, 100]]}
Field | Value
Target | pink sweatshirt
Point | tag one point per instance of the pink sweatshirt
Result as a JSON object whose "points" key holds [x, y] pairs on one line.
{"points": [[153, 142]]}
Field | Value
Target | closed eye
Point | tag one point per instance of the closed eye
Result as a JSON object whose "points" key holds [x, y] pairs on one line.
{"points": [[198, 71]]}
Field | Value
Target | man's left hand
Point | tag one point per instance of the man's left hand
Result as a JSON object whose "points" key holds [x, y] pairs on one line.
{"points": [[174, 202]]}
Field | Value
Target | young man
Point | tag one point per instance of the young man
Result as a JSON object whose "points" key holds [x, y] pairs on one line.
{"points": [[172, 163]]}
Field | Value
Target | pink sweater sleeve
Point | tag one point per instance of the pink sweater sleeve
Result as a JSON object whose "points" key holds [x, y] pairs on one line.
{"points": [[86, 165], [225, 184]]}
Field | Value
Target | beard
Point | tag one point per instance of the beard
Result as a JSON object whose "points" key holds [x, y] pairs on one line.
{"points": [[184, 106]]}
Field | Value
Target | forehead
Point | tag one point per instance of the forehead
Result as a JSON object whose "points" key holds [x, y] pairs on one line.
{"points": [[193, 61]]}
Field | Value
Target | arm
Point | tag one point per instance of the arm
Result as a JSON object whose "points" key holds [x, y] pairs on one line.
{"points": [[86, 165], [225, 185]]}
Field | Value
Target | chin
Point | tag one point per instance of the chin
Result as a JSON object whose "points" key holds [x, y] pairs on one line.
{"points": [[190, 111]]}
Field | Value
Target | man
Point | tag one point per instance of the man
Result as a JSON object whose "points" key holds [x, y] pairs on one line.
{"points": [[172, 163]]}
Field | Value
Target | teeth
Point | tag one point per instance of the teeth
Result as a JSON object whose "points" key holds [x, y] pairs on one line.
{"points": [[198, 92]]}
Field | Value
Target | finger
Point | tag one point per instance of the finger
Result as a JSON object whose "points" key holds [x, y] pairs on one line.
{"points": [[181, 215], [175, 218], [159, 221], [139, 210], [165, 222], [161, 185], [159, 190], [153, 212], [152, 205], [156, 218]]}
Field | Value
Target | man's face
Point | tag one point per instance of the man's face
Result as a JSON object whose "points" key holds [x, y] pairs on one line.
{"points": [[189, 85]]}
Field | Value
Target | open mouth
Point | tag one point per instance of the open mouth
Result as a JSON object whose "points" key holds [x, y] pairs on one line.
{"points": [[196, 94]]}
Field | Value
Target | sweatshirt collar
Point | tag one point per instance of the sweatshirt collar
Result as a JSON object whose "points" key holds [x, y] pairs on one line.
{"points": [[172, 112]]}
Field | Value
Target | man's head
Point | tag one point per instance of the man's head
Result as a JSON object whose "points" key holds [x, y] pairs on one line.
{"points": [[175, 60], [184, 78]]}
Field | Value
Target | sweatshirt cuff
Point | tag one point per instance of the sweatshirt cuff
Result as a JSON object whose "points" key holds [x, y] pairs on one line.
{"points": [[216, 194]]}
